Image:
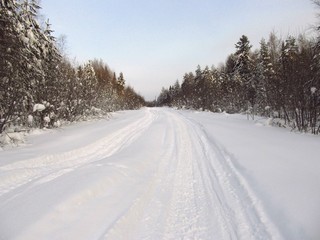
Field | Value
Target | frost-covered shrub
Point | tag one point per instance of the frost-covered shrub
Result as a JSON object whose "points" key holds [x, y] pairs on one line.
{"points": [[12, 138]]}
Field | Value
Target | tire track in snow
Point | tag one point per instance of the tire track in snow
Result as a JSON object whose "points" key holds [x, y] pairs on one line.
{"points": [[195, 193], [205, 197], [145, 218], [46, 168], [187, 215], [238, 209]]}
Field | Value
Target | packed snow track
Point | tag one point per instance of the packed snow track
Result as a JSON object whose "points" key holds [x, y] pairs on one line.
{"points": [[150, 174]]}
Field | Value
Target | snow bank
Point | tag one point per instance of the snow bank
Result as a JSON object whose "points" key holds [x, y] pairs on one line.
{"points": [[12, 139]]}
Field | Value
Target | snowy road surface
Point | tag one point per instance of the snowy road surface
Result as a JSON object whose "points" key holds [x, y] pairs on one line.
{"points": [[159, 173]]}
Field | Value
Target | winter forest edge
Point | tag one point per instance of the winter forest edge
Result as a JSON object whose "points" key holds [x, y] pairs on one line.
{"points": [[40, 87], [281, 80]]}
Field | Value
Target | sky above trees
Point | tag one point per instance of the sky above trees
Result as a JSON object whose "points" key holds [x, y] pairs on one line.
{"points": [[155, 42]]}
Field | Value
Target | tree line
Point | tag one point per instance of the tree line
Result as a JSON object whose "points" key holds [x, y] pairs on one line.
{"points": [[281, 79], [39, 86]]}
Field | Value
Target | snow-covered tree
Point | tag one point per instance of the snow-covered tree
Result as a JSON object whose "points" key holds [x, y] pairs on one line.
{"points": [[33, 72], [280, 80], [244, 67], [120, 84]]}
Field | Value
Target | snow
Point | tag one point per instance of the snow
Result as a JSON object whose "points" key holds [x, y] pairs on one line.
{"points": [[159, 173], [57, 123], [31, 36], [46, 119], [39, 107], [12, 138]]}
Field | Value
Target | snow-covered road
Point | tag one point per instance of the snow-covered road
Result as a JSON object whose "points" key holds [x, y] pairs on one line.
{"points": [[159, 173]]}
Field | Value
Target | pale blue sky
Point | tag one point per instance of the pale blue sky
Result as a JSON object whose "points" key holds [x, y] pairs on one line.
{"points": [[155, 42]]}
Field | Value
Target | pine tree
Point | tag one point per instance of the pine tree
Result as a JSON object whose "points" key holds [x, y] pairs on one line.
{"points": [[187, 89], [244, 67], [15, 63], [267, 76], [120, 84]]}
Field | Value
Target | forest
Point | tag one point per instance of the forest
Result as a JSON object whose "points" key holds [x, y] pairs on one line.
{"points": [[279, 80], [40, 86]]}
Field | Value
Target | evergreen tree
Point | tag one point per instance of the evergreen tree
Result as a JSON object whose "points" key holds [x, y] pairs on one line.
{"points": [[244, 67], [280, 80], [120, 84], [187, 90]]}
